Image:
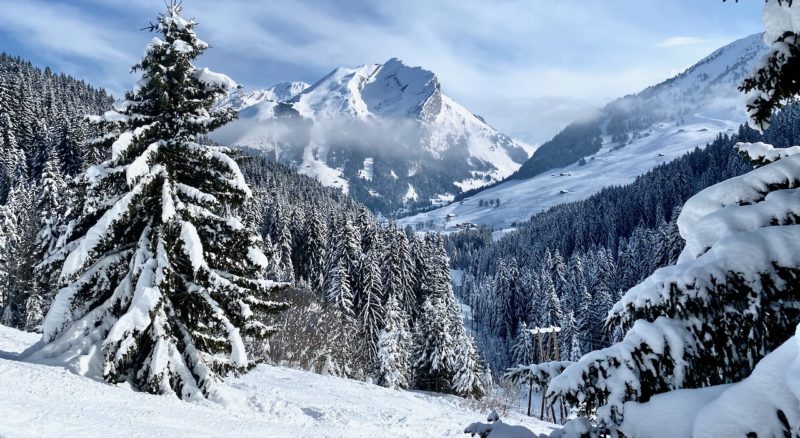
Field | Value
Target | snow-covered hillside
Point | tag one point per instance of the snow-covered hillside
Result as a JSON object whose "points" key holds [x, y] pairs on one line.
{"points": [[39, 400], [710, 85], [390, 115], [635, 134], [519, 199]]}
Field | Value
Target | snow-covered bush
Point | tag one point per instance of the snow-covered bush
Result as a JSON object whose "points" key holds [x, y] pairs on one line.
{"points": [[502, 397], [538, 375], [495, 428]]}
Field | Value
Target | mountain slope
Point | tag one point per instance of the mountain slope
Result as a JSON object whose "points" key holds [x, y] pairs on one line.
{"points": [[709, 87], [39, 400], [385, 133], [629, 137]]}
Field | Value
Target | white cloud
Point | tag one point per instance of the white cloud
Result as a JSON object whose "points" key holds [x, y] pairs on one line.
{"points": [[71, 40], [561, 56], [678, 41]]}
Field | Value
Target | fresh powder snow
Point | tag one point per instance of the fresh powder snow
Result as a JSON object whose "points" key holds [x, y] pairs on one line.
{"points": [[40, 400]]}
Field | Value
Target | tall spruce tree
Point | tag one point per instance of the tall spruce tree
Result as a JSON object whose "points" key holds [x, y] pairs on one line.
{"points": [[433, 347], [50, 207], [339, 289], [283, 253], [163, 284], [468, 377], [14, 166], [369, 308], [396, 269], [19, 261], [312, 253], [394, 348], [69, 148], [522, 346]]}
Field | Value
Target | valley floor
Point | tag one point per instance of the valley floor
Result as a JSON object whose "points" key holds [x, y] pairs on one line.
{"points": [[38, 400]]}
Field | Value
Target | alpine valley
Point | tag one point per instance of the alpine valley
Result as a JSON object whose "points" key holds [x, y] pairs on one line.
{"points": [[627, 138], [363, 256]]}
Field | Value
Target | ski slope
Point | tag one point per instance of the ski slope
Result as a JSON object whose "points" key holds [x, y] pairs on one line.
{"points": [[519, 199], [38, 400]]}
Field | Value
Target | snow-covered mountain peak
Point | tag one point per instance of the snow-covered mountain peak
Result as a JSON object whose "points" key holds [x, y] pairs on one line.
{"points": [[390, 90], [396, 90], [284, 91], [338, 94], [373, 128], [281, 92]]}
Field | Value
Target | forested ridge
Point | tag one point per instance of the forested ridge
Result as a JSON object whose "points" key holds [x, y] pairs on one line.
{"points": [[568, 265], [368, 300]]}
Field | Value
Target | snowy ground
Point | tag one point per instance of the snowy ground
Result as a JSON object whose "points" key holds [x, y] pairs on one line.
{"points": [[521, 199], [38, 400]]}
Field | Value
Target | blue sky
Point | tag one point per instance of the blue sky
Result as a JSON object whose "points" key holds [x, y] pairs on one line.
{"points": [[528, 66]]}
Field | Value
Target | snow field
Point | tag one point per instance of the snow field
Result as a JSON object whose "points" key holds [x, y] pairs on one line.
{"points": [[40, 400]]}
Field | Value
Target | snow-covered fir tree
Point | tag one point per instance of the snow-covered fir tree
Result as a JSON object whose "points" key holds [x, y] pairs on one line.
{"points": [[522, 352], [14, 164], [586, 324], [551, 313], [162, 283], [339, 289], [576, 350], [69, 148], [367, 228], [21, 227], [283, 254], [50, 206], [369, 307], [396, 270], [312, 253], [567, 335], [445, 359], [394, 348], [468, 376], [433, 347]]}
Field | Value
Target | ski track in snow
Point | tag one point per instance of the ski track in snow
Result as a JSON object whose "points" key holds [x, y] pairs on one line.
{"points": [[39, 400]]}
